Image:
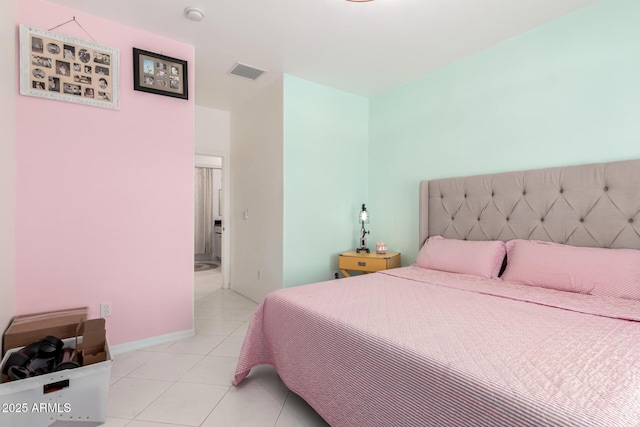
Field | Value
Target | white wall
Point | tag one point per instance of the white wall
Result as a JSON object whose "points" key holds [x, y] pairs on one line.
{"points": [[257, 187], [217, 195], [213, 131], [8, 89]]}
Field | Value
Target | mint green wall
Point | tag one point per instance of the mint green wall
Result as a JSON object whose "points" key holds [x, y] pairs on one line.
{"points": [[326, 140], [565, 93]]}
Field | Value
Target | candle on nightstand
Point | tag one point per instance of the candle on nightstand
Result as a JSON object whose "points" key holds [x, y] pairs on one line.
{"points": [[381, 248]]}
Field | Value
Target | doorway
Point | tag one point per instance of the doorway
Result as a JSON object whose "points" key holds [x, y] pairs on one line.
{"points": [[207, 217], [210, 211]]}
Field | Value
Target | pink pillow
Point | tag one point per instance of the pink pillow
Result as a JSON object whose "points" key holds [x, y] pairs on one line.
{"points": [[482, 258], [595, 271]]}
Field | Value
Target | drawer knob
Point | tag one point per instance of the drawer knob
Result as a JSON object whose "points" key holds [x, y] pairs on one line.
{"points": [[362, 264]]}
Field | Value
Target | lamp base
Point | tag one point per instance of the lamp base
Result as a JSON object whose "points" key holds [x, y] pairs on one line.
{"points": [[363, 241]]}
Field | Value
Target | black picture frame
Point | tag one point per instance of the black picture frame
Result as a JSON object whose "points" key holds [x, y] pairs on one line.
{"points": [[160, 74]]}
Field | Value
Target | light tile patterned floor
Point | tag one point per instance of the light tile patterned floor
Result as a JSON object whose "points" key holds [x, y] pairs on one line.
{"points": [[188, 382]]}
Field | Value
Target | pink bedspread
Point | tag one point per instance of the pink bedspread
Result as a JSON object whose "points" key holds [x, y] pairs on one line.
{"points": [[414, 347]]}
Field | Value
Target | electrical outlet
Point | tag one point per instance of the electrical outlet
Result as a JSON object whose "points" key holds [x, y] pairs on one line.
{"points": [[105, 310], [336, 275]]}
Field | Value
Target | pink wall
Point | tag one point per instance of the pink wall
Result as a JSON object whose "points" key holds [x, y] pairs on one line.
{"points": [[104, 198]]}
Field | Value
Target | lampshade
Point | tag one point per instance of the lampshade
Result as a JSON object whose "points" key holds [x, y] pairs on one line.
{"points": [[364, 215]]}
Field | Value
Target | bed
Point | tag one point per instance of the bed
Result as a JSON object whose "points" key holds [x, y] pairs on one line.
{"points": [[419, 346]]}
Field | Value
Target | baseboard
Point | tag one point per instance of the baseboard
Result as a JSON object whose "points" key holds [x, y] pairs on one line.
{"points": [[148, 342]]}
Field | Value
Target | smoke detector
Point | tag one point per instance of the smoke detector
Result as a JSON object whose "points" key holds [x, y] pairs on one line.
{"points": [[245, 71], [194, 13]]}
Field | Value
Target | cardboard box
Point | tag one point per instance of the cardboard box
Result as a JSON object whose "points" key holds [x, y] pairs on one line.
{"points": [[26, 329], [74, 397], [94, 341]]}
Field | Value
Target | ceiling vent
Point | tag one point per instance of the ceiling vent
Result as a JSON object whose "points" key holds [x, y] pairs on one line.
{"points": [[245, 71]]}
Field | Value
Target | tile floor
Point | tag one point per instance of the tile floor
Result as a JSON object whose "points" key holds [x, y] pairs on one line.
{"points": [[188, 382]]}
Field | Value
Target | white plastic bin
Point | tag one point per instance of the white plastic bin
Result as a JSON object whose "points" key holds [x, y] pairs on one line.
{"points": [[74, 397]]}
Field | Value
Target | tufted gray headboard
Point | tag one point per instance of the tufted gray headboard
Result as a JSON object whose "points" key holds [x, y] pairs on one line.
{"points": [[587, 205]]}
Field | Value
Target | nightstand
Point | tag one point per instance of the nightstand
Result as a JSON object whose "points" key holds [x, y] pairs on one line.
{"points": [[367, 262]]}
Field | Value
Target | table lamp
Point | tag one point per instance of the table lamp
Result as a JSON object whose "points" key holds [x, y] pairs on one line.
{"points": [[363, 219]]}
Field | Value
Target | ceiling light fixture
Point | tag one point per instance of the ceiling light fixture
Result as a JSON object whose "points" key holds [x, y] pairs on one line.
{"points": [[194, 13]]}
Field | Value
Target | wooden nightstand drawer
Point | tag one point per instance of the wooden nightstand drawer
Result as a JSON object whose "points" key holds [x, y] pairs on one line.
{"points": [[367, 262], [362, 264]]}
